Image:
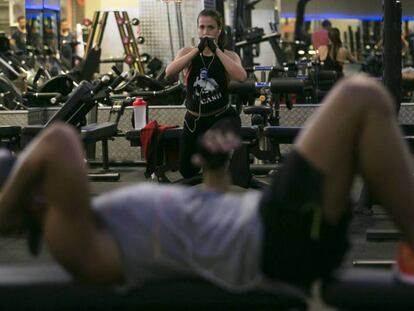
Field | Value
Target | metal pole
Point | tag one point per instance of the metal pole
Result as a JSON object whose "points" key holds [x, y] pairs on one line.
{"points": [[391, 71], [392, 49], [179, 23], [169, 29]]}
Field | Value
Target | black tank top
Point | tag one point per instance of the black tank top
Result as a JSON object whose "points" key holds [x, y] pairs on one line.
{"points": [[206, 85], [333, 64]]}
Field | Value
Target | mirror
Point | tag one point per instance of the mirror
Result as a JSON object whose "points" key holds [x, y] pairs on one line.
{"points": [[30, 44], [302, 42], [16, 9], [359, 30]]}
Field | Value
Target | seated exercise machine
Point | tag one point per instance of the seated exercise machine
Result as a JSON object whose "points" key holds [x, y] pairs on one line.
{"points": [[80, 101], [317, 81], [43, 90], [266, 113]]}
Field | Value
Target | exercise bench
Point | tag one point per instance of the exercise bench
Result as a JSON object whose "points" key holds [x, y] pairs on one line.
{"points": [[168, 148], [367, 289], [10, 137], [80, 101], [49, 287]]}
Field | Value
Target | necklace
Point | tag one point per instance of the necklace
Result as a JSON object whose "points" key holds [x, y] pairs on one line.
{"points": [[204, 70]]}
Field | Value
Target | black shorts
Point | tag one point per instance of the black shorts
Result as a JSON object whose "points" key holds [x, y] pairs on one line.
{"points": [[299, 245]]}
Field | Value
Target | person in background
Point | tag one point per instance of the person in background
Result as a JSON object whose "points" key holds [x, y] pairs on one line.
{"points": [[67, 43], [19, 36], [207, 70], [334, 55], [320, 37]]}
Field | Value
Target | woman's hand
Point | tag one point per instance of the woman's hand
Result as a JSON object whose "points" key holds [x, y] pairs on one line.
{"points": [[202, 43]]}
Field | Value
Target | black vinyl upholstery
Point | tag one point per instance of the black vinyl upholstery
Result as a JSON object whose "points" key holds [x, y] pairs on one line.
{"points": [[368, 289], [48, 287]]}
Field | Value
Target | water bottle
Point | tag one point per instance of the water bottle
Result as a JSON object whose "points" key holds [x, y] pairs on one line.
{"points": [[140, 113]]}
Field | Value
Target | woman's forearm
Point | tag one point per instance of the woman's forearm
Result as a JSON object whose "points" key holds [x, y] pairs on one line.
{"points": [[182, 60], [232, 66]]}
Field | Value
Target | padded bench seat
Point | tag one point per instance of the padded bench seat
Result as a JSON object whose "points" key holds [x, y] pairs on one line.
{"points": [[10, 136], [282, 134], [89, 133], [133, 136], [9, 131], [98, 131], [49, 287], [32, 130], [368, 289], [169, 144], [287, 134]]}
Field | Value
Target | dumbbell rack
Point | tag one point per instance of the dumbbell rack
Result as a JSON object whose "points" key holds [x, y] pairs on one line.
{"points": [[132, 56]]}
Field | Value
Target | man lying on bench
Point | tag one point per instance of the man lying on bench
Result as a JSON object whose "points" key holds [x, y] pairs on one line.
{"points": [[295, 231]]}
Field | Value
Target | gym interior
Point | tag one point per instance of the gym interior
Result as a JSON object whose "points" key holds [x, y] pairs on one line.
{"points": [[100, 66]]}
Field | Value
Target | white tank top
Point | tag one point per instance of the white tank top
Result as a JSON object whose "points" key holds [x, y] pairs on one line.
{"points": [[169, 231]]}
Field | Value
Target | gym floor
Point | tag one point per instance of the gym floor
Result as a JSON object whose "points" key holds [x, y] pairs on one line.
{"points": [[13, 249]]}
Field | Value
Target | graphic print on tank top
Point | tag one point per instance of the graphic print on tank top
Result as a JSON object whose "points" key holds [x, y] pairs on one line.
{"points": [[205, 88]]}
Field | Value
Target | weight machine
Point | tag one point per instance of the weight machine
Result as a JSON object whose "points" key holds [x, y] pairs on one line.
{"points": [[129, 42]]}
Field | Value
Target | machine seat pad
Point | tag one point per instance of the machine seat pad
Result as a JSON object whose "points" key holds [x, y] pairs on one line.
{"points": [[49, 287], [9, 131], [32, 130], [283, 134], [98, 131], [368, 289], [247, 133], [262, 110]]}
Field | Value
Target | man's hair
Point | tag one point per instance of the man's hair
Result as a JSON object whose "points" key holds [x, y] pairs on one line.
{"points": [[20, 18], [219, 20], [326, 24]]}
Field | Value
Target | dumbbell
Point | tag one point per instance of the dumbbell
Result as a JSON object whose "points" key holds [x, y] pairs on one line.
{"points": [[144, 58], [126, 40], [7, 161], [129, 59], [134, 21]]}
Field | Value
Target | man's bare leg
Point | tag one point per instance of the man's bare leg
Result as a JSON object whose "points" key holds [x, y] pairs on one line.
{"points": [[356, 130], [54, 164]]}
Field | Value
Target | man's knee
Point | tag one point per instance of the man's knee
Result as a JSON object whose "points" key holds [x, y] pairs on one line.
{"points": [[59, 137], [365, 95]]}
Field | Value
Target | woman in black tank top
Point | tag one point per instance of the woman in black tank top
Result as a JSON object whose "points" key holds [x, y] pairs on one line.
{"points": [[207, 70], [334, 55], [332, 64]]}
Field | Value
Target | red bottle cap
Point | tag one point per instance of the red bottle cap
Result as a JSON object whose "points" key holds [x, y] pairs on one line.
{"points": [[139, 102]]}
